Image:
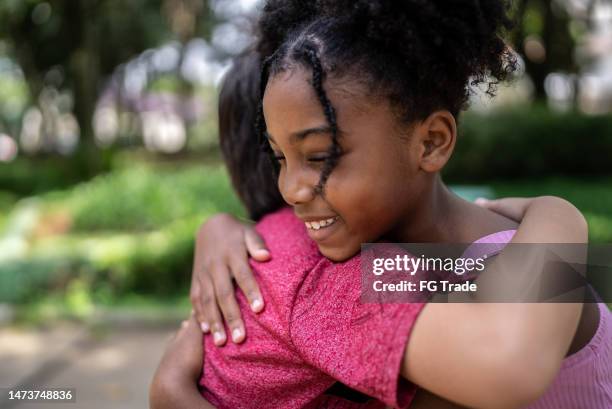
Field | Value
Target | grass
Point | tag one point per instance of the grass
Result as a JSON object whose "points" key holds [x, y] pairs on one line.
{"points": [[592, 196]]}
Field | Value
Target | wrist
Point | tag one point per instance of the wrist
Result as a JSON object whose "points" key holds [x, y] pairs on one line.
{"points": [[167, 391]]}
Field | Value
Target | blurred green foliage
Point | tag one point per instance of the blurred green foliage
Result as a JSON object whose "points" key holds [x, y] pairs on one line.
{"points": [[140, 198], [13, 98], [132, 231], [506, 144], [530, 142], [27, 176], [129, 231], [77, 241], [592, 196]]}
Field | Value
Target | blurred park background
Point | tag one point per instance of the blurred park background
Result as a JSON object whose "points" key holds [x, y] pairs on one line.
{"points": [[109, 162]]}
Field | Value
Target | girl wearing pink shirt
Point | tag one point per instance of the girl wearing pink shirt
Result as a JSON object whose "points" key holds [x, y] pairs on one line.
{"points": [[359, 109]]}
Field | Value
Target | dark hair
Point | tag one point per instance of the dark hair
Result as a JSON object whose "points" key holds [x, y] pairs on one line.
{"points": [[423, 55], [251, 172], [278, 18]]}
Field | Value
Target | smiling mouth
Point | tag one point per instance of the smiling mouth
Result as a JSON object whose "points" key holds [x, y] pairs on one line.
{"points": [[320, 224]]}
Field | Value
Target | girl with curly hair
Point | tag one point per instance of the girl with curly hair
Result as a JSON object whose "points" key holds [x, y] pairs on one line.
{"points": [[358, 112]]}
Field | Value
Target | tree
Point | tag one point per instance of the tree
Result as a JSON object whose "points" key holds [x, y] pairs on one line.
{"points": [[542, 35], [77, 44]]}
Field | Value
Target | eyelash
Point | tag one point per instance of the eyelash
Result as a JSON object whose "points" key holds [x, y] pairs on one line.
{"points": [[318, 159], [279, 158]]}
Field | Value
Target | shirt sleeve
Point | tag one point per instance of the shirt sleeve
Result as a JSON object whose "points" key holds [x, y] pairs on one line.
{"points": [[359, 344]]}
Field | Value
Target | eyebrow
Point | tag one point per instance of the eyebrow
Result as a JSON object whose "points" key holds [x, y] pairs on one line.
{"points": [[305, 133]]}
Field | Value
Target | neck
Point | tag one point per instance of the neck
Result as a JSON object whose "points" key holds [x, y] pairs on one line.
{"points": [[429, 220], [442, 217]]}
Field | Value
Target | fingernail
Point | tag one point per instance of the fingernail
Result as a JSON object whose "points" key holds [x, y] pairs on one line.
{"points": [[205, 327], [480, 200], [237, 335], [257, 305], [262, 254], [218, 338]]}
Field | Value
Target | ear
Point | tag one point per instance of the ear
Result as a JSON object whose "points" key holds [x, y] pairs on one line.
{"points": [[436, 135]]}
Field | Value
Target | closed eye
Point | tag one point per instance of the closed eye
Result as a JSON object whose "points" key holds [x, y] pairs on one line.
{"points": [[318, 158], [323, 156]]}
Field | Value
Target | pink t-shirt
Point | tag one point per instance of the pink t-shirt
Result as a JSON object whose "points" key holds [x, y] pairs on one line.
{"points": [[315, 345]]}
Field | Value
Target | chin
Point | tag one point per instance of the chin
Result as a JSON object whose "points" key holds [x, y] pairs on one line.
{"points": [[339, 254]]}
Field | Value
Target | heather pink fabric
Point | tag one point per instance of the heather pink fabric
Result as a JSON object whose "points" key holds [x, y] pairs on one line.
{"points": [[312, 334], [585, 378]]}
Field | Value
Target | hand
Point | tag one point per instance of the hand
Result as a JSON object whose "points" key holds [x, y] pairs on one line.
{"points": [[175, 381], [223, 245], [511, 207]]}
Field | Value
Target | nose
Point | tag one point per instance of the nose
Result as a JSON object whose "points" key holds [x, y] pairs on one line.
{"points": [[297, 186]]}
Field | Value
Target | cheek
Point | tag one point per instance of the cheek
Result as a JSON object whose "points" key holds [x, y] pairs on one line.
{"points": [[366, 193]]}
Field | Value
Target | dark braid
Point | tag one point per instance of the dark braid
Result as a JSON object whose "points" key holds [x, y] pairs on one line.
{"points": [[260, 123], [308, 51], [305, 51]]}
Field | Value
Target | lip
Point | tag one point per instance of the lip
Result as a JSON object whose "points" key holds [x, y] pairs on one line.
{"points": [[323, 233], [317, 218]]}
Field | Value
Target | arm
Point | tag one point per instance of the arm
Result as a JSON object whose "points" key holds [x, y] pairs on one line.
{"points": [[174, 384], [501, 355], [223, 246], [427, 400]]}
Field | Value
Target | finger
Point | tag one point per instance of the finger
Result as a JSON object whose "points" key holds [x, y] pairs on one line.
{"points": [[247, 283], [495, 205], [182, 328], [195, 295], [226, 298], [211, 311], [510, 207], [186, 350], [481, 201], [196, 288], [256, 247]]}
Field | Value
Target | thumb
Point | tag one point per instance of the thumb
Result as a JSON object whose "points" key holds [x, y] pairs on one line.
{"points": [[256, 247], [189, 326]]}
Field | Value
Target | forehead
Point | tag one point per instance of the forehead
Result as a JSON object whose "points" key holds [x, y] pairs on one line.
{"points": [[290, 101], [291, 104]]}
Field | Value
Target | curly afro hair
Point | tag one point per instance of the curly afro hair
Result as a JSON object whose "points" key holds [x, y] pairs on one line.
{"points": [[423, 55]]}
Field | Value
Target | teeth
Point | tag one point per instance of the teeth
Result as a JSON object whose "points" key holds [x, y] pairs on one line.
{"points": [[320, 223]]}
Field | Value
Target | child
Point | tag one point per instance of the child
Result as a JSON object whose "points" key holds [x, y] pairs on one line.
{"points": [[378, 179]]}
